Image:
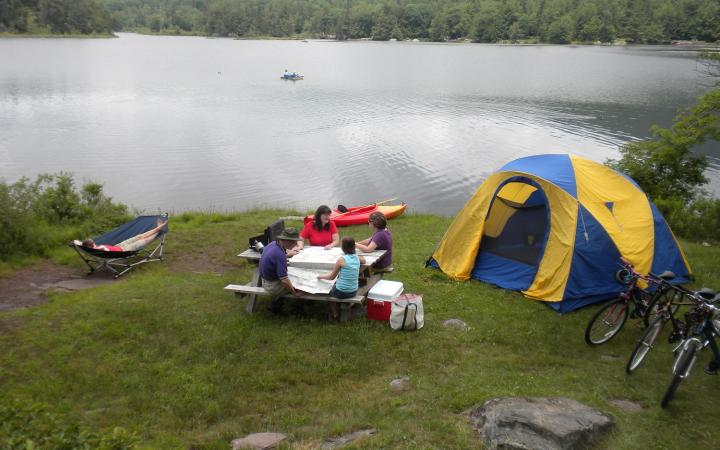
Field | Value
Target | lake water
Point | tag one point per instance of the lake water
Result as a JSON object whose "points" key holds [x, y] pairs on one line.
{"points": [[178, 123]]}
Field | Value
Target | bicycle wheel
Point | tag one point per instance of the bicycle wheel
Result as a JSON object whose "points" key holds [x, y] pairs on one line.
{"points": [[681, 370], [661, 302], [645, 344], [607, 322]]}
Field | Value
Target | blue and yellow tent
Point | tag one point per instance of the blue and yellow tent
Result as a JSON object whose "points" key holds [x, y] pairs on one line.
{"points": [[555, 227]]}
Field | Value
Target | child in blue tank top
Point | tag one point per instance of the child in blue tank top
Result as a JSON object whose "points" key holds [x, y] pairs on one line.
{"points": [[347, 271]]}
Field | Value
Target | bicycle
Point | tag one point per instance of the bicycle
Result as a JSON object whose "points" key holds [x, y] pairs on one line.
{"points": [[702, 324], [664, 313], [610, 318]]}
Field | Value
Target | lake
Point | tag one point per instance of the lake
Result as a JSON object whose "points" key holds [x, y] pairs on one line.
{"points": [[192, 123]]}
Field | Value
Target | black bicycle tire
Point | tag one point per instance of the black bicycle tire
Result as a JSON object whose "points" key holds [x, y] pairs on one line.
{"points": [[642, 344], [656, 300], [598, 314], [680, 368]]}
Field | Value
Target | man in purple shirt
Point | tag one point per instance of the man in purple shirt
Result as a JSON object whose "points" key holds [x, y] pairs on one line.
{"points": [[273, 268], [380, 240]]}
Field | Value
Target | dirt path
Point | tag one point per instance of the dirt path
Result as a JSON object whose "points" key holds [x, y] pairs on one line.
{"points": [[28, 286]]}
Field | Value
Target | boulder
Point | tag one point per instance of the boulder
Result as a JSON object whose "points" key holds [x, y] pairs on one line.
{"points": [[539, 423], [258, 441]]}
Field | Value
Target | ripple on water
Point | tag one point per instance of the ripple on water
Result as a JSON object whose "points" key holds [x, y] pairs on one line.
{"points": [[426, 123]]}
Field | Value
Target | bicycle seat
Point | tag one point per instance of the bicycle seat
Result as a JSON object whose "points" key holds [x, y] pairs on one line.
{"points": [[667, 275], [707, 293]]}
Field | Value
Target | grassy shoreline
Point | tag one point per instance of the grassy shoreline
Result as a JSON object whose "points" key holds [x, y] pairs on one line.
{"points": [[147, 32], [299, 37], [170, 356]]}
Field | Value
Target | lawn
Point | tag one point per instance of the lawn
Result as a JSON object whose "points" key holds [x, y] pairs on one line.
{"points": [[168, 355]]}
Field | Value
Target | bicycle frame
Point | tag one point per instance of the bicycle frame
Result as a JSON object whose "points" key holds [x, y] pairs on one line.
{"points": [[700, 335]]}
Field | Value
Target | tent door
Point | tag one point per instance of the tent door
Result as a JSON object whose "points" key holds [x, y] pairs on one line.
{"points": [[514, 237]]}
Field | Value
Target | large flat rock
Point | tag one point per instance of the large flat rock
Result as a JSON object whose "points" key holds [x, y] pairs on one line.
{"points": [[539, 423]]}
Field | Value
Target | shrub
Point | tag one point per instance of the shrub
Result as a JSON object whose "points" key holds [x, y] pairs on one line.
{"points": [[37, 216], [672, 175], [29, 426]]}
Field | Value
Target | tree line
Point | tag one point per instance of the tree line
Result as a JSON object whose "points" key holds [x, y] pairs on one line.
{"points": [[55, 17], [554, 21]]}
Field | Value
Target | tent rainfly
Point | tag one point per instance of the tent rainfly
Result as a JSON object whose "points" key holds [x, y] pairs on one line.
{"points": [[554, 227]]}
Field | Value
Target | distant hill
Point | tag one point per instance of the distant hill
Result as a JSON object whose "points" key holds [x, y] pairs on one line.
{"points": [[54, 17], [556, 21]]}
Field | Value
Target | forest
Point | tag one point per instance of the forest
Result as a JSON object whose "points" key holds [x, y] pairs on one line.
{"points": [[49, 17], [554, 21], [511, 21]]}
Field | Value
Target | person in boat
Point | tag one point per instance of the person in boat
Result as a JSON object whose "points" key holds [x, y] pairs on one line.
{"points": [[273, 268], [381, 239], [321, 231], [347, 271], [129, 245]]}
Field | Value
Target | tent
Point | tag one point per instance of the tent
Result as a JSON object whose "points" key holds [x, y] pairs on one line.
{"points": [[554, 227]]}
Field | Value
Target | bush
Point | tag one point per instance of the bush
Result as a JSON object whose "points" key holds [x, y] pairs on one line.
{"points": [[670, 173], [37, 216], [29, 426], [699, 220]]}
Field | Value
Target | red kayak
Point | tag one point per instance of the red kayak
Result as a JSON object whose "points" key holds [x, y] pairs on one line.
{"points": [[359, 215]]}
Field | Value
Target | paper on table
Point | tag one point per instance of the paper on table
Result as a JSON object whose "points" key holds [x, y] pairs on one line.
{"points": [[306, 280], [319, 258]]}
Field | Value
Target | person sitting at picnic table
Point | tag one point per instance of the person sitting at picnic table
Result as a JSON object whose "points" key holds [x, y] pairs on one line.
{"points": [[273, 268], [321, 231], [347, 271], [129, 245], [380, 240]]}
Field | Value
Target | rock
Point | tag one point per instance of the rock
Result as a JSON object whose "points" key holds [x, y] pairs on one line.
{"points": [[706, 244], [341, 441], [455, 323], [626, 405], [258, 441], [539, 423], [400, 384]]}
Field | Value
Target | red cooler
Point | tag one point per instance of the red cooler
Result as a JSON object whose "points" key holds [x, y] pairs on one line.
{"points": [[380, 299]]}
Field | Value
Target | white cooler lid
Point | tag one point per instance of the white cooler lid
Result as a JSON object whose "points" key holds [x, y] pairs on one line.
{"points": [[385, 290]]}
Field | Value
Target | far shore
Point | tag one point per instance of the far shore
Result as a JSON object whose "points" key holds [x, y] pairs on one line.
{"points": [[57, 36], [690, 45]]}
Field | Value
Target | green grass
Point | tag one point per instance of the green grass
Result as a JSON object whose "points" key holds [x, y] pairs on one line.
{"points": [[171, 357]]}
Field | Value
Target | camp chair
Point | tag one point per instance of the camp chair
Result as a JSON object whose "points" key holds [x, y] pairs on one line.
{"points": [[271, 232], [120, 263]]}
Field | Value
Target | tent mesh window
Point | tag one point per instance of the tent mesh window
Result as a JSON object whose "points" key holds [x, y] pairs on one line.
{"points": [[517, 224]]}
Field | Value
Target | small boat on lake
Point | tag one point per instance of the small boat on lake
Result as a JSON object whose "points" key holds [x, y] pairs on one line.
{"points": [[292, 76], [359, 215]]}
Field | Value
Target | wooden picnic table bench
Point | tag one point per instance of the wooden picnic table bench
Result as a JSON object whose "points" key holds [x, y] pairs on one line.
{"points": [[369, 276], [245, 289]]}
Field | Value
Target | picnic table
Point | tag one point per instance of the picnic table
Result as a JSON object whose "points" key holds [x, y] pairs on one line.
{"points": [[313, 260]]}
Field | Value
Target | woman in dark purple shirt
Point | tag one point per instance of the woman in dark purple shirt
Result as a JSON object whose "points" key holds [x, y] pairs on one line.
{"points": [[380, 240]]}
